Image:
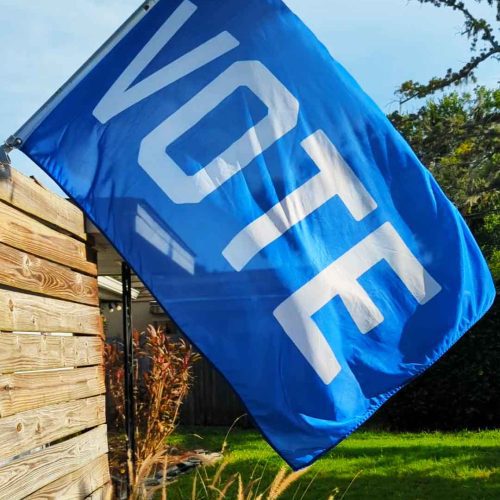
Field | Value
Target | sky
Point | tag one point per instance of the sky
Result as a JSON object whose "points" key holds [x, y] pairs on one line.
{"points": [[381, 43]]}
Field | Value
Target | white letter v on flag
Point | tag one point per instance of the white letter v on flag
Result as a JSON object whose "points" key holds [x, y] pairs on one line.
{"points": [[120, 97]]}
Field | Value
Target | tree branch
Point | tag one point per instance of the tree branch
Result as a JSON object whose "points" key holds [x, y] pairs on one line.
{"points": [[474, 29]]}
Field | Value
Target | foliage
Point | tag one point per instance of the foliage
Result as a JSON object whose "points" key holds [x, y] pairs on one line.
{"points": [[483, 46], [373, 465], [143, 487], [489, 236], [459, 392], [163, 378], [216, 487], [210, 483], [458, 138]]}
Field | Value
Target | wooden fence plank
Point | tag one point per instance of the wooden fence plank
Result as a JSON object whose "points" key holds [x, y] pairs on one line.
{"points": [[27, 352], [25, 476], [21, 231], [28, 430], [27, 272], [51, 386], [25, 194], [26, 391], [78, 484], [31, 313], [211, 400]]}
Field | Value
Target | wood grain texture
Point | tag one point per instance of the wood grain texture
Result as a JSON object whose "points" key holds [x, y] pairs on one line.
{"points": [[28, 430], [27, 352], [25, 194], [25, 233], [105, 492], [77, 485], [31, 313], [26, 475], [26, 391], [27, 272]]}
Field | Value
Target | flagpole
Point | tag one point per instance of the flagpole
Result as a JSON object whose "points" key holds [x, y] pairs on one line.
{"points": [[23, 133], [128, 349]]}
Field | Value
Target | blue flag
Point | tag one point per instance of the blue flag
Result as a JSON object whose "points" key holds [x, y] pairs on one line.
{"points": [[270, 207]]}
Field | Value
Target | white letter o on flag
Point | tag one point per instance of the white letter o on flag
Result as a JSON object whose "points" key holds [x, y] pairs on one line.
{"points": [[282, 115]]}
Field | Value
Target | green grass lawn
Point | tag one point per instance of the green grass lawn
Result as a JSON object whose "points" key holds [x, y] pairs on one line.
{"points": [[368, 465]]}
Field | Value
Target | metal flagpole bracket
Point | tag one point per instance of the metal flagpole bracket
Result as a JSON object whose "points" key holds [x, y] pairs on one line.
{"points": [[26, 130], [5, 165], [14, 141]]}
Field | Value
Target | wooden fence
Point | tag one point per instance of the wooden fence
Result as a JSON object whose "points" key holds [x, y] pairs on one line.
{"points": [[211, 400], [53, 440]]}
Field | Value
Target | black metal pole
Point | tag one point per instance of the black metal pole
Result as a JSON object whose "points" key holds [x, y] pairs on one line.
{"points": [[129, 369]]}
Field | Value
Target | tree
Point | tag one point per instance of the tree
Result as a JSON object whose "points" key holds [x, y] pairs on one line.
{"points": [[458, 138], [483, 45]]}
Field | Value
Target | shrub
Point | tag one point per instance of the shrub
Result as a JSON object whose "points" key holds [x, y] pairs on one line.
{"points": [[162, 371], [459, 392]]}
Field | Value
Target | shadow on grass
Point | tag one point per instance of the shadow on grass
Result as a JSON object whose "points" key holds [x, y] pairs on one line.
{"points": [[471, 456]]}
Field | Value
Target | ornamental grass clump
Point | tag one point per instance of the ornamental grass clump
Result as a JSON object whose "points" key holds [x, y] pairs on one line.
{"points": [[256, 486], [236, 487]]}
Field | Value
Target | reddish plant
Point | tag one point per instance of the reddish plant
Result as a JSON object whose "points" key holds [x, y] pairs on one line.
{"points": [[163, 377]]}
